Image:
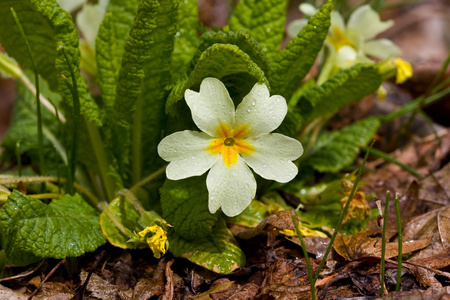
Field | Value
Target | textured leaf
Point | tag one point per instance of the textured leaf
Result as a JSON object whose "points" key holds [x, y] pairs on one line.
{"points": [[149, 117], [240, 38], [56, 230], [186, 40], [47, 27], [185, 206], [130, 78], [123, 13], [108, 60], [127, 215], [264, 19], [346, 87], [292, 64], [337, 149], [217, 251], [219, 61]]}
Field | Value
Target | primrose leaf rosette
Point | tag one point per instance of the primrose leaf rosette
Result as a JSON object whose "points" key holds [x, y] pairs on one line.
{"points": [[231, 142]]}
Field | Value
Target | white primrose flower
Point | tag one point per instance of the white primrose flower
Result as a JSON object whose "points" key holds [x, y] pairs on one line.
{"points": [[231, 142], [354, 42]]}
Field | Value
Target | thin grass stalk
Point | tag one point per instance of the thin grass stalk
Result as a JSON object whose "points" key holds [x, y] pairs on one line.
{"points": [[383, 243], [389, 158], [344, 212], [38, 99], [400, 243], [76, 124], [305, 254]]}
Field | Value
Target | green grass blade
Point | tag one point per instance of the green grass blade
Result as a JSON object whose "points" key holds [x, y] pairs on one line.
{"points": [[400, 241], [38, 99], [344, 212], [383, 243], [305, 254]]}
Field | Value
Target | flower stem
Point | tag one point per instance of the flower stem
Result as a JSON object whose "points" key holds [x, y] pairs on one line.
{"points": [[148, 178], [101, 157], [5, 180]]}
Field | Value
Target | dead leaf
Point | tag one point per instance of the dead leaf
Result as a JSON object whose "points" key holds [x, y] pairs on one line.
{"points": [[433, 225], [217, 286], [279, 220], [440, 293], [363, 244], [102, 289]]}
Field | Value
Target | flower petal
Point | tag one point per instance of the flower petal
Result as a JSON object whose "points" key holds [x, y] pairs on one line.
{"points": [[211, 106], [187, 154], [346, 57], [382, 48], [295, 27], [261, 113], [337, 21], [231, 188], [273, 156], [366, 22]]}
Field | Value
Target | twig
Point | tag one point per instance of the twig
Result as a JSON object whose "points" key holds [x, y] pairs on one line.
{"points": [[46, 278]]}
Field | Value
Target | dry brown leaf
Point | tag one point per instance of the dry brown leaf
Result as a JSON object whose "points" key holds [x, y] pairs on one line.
{"points": [[102, 289], [441, 293], [362, 244], [279, 220], [433, 225], [218, 286], [435, 189]]}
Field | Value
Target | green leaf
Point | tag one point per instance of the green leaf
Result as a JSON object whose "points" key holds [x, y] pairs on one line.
{"points": [[185, 206], [56, 230], [40, 35], [252, 215], [335, 150], [123, 13], [127, 215], [217, 251], [47, 27], [23, 130], [219, 61], [149, 116], [131, 73], [292, 64], [240, 38], [346, 87], [264, 19], [186, 40], [108, 61]]}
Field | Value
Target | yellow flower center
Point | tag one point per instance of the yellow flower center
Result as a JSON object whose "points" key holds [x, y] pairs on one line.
{"points": [[338, 39], [230, 143]]}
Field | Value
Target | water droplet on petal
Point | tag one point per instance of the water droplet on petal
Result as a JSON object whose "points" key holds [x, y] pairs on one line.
{"points": [[253, 102], [249, 110]]}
